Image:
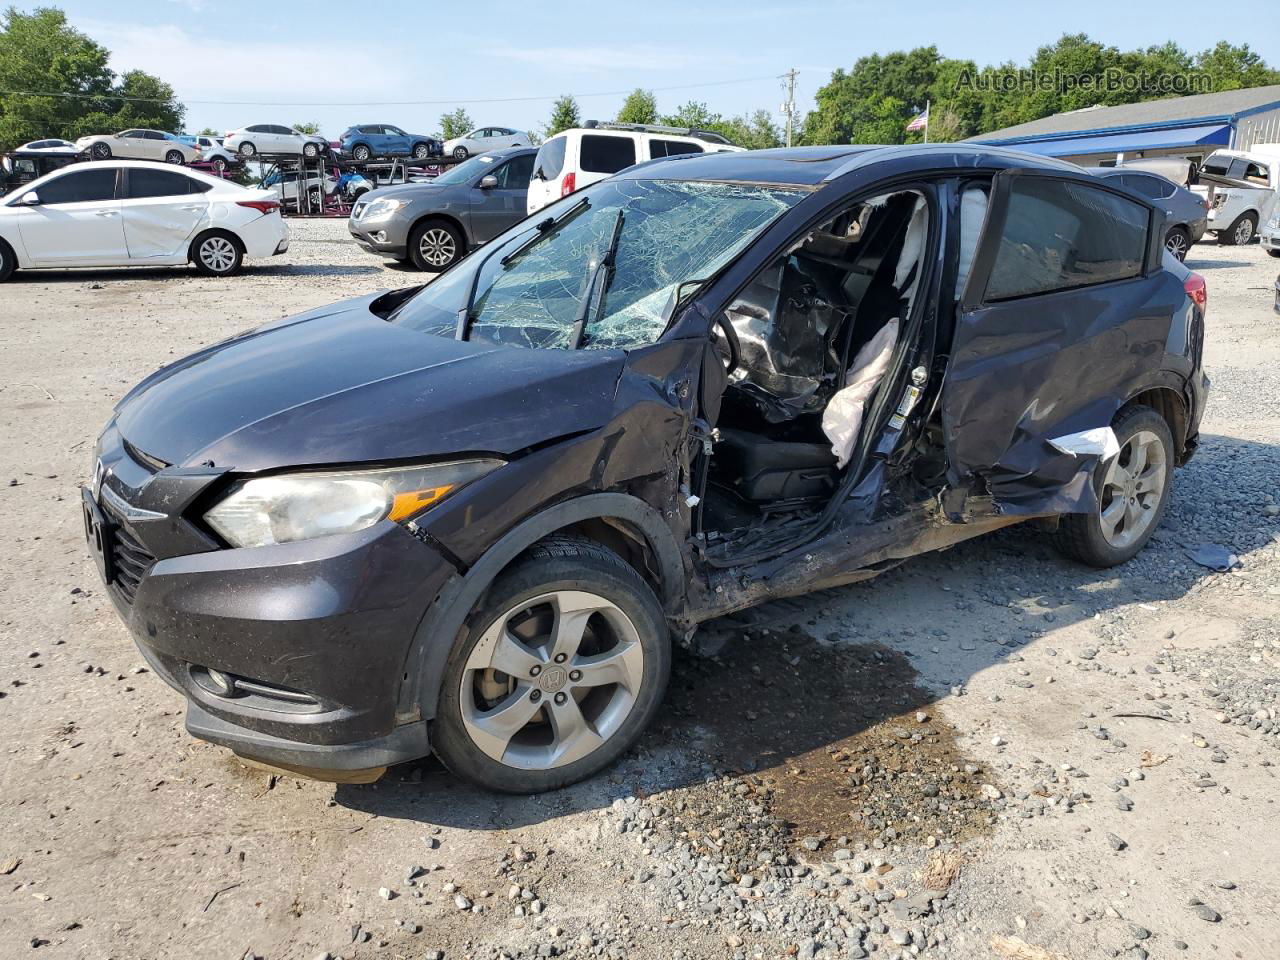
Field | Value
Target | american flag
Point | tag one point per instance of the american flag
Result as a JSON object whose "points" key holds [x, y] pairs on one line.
{"points": [[921, 122]]}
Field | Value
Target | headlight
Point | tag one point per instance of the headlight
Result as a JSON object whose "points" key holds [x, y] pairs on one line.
{"points": [[300, 506], [383, 208]]}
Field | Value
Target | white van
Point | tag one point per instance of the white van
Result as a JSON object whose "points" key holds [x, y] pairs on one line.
{"points": [[578, 158], [1242, 187]]}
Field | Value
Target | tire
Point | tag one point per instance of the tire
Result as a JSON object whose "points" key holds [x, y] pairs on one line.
{"points": [[360, 153], [1273, 253], [578, 722], [1241, 231], [1088, 537], [219, 165], [460, 153], [310, 150], [217, 253], [435, 245], [100, 151], [1178, 242], [175, 156], [316, 198], [421, 151], [8, 262], [247, 150]]}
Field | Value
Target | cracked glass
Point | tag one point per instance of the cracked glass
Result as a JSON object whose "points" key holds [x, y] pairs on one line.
{"points": [[531, 287]]}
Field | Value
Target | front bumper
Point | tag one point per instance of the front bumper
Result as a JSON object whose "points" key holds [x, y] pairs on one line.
{"points": [[379, 237], [294, 654]]}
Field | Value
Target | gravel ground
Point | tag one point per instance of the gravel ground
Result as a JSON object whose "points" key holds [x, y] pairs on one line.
{"points": [[988, 752]]}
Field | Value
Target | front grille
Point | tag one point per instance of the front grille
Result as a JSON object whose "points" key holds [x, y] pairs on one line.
{"points": [[130, 560]]}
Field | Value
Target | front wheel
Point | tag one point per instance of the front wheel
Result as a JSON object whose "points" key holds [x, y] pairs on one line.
{"points": [[1132, 491], [1178, 242], [421, 151], [435, 246], [1240, 232], [216, 254], [556, 672], [100, 151], [8, 262]]}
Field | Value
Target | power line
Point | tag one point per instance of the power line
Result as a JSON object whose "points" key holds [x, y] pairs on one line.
{"points": [[373, 103]]}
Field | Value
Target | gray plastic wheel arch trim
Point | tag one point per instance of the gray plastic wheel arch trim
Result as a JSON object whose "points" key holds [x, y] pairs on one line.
{"points": [[429, 651]]}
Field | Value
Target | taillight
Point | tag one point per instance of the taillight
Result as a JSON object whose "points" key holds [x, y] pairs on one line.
{"points": [[569, 184], [1197, 291], [262, 206], [229, 133]]}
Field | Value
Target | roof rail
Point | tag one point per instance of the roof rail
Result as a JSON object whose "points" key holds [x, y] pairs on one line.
{"points": [[710, 136]]}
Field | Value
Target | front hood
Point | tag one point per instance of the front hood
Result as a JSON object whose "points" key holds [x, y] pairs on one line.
{"points": [[341, 385], [409, 191]]}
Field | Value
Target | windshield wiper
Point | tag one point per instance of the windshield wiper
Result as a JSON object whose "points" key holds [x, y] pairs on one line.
{"points": [[593, 302], [545, 227]]}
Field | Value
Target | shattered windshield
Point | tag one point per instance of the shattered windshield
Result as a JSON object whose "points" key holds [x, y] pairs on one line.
{"points": [[533, 280]]}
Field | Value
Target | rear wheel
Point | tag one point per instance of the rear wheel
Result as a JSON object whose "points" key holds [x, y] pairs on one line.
{"points": [[1132, 491], [1240, 232], [216, 253], [174, 156], [1178, 242], [219, 165], [360, 152], [100, 151], [460, 153], [310, 150], [556, 673], [247, 150], [435, 245]]}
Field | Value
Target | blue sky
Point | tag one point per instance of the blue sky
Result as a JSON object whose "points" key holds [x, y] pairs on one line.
{"points": [[280, 60]]}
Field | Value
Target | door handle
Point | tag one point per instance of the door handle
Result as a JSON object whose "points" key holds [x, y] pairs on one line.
{"points": [[194, 207], [105, 213]]}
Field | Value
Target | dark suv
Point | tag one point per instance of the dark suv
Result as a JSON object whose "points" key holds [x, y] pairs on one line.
{"points": [[469, 517], [434, 224]]}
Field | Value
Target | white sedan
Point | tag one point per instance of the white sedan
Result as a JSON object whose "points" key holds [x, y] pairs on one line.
{"points": [[124, 213], [272, 138], [138, 145], [484, 139]]}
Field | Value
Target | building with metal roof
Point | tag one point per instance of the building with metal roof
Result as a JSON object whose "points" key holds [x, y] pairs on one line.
{"points": [[1190, 127]]}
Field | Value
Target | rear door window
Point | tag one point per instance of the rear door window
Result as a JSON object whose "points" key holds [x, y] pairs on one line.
{"points": [[1059, 235], [670, 148], [157, 183], [83, 186], [514, 174], [607, 154]]}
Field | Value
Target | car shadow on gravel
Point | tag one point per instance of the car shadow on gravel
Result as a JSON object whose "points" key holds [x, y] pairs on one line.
{"points": [[1203, 265], [826, 703], [104, 274]]}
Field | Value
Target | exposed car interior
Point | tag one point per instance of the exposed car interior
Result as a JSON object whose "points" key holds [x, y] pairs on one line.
{"points": [[813, 334]]}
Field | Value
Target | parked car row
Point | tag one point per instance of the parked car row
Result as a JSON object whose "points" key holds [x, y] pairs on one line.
{"points": [[139, 144]]}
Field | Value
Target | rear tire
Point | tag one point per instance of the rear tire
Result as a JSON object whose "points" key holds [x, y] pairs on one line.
{"points": [[310, 150], [1178, 242], [174, 156], [1127, 514], [435, 246], [219, 165], [217, 253], [1240, 232], [360, 153], [571, 717], [8, 262], [460, 153]]}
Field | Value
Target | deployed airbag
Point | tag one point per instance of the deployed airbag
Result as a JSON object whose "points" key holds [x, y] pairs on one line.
{"points": [[843, 417]]}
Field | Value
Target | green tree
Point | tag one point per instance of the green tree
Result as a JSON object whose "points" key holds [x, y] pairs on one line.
{"points": [[456, 123], [1229, 67], [310, 127], [564, 115], [640, 107], [64, 87], [693, 114]]}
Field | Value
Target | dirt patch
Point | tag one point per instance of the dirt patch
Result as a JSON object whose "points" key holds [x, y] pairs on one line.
{"points": [[833, 744]]}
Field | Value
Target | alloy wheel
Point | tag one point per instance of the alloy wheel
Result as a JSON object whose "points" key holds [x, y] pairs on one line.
{"points": [[218, 254], [101, 151], [460, 153], [1132, 488], [551, 680], [360, 153], [1244, 231], [437, 247], [1176, 244], [421, 152], [173, 156]]}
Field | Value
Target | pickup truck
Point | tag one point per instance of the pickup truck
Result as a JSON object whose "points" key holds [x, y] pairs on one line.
{"points": [[1242, 188]]}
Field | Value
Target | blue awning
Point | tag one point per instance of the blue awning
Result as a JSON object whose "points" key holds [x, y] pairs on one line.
{"points": [[1217, 134]]}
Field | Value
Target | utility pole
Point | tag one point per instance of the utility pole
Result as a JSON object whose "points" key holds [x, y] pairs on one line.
{"points": [[789, 107]]}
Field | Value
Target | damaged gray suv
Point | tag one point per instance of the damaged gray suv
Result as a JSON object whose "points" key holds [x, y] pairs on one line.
{"points": [[469, 518]]}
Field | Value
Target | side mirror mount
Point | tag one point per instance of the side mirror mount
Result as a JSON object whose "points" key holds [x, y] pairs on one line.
{"points": [[488, 182], [538, 174], [30, 199]]}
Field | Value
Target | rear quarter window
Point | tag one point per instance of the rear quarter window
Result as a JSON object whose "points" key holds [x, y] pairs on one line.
{"points": [[606, 154], [550, 159], [1060, 235], [670, 148]]}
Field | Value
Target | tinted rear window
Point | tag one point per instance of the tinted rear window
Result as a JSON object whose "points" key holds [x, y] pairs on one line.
{"points": [[669, 148], [158, 183], [1059, 235], [550, 159], [607, 154]]}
